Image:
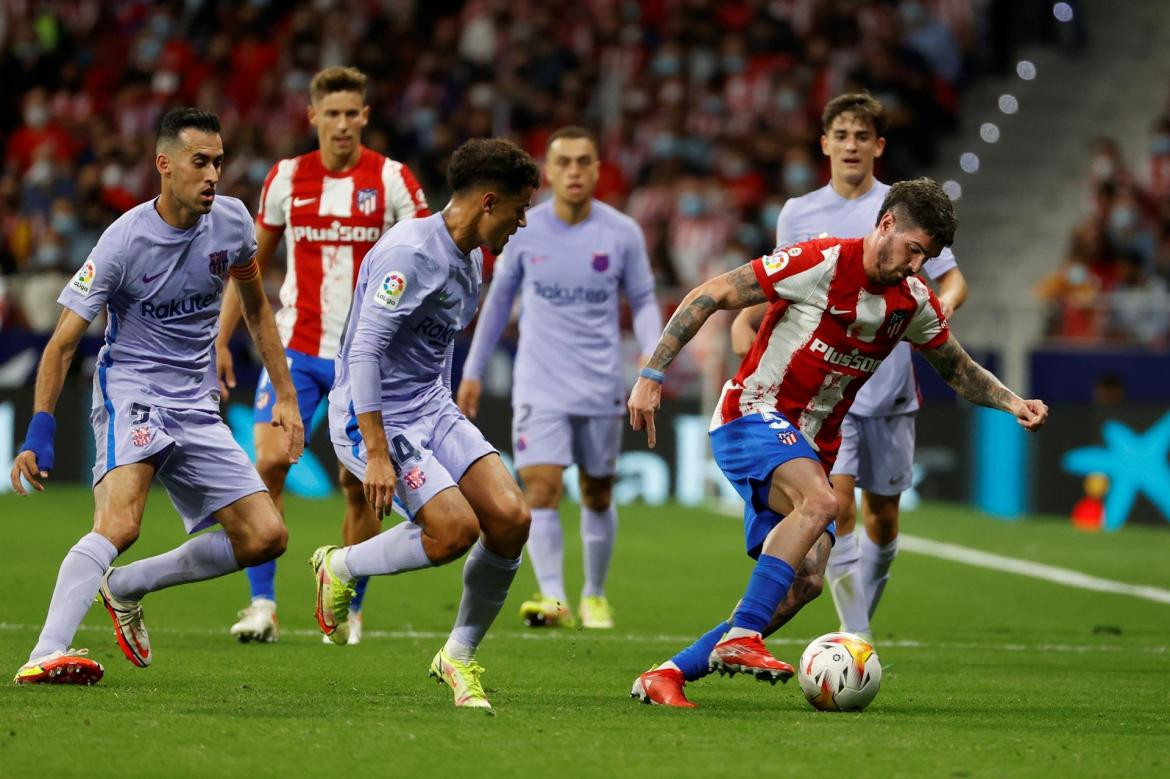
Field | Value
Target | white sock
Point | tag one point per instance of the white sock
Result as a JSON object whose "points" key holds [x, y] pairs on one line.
{"points": [[486, 579], [740, 633], [844, 577], [546, 550], [398, 550], [78, 580], [875, 569], [203, 557], [598, 532], [457, 651]]}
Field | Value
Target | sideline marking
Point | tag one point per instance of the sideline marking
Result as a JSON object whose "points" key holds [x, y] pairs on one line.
{"points": [[1051, 573]]}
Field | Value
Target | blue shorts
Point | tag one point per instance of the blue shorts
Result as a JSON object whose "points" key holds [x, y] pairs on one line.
{"points": [[748, 450], [312, 378]]}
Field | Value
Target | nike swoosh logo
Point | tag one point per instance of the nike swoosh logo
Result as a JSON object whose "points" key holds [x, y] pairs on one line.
{"points": [[303, 201], [838, 311], [149, 279]]}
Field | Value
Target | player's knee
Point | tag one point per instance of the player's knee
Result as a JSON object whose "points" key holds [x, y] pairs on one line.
{"points": [[821, 506], [266, 540], [272, 467], [455, 537], [543, 493], [597, 495]]}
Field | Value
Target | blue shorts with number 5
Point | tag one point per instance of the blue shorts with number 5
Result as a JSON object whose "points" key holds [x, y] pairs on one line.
{"points": [[748, 450]]}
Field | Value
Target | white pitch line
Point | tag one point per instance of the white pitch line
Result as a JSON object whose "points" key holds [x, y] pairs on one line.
{"points": [[1051, 573], [634, 638]]}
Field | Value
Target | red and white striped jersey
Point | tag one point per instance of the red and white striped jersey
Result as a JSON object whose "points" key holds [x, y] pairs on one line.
{"points": [[826, 332], [330, 221]]}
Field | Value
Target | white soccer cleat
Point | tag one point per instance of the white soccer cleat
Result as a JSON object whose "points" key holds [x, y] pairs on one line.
{"points": [[129, 627], [258, 622], [355, 630]]}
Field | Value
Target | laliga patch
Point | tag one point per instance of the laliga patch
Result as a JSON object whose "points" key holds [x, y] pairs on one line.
{"points": [[392, 289], [775, 262], [83, 279]]}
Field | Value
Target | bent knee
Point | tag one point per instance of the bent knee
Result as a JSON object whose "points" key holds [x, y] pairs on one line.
{"points": [[597, 498], [543, 494], [266, 542], [454, 539], [821, 506], [272, 467]]}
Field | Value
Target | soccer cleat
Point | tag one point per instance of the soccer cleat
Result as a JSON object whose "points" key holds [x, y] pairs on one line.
{"points": [[71, 667], [662, 686], [355, 630], [545, 612], [257, 622], [129, 628], [333, 596], [463, 679], [747, 654], [596, 613]]}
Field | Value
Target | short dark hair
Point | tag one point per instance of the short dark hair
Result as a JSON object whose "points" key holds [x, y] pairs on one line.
{"points": [[176, 120], [862, 105], [922, 203], [574, 131], [493, 162], [337, 79]]}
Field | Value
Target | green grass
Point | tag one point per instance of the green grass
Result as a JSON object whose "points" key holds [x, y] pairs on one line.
{"points": [[986, 674]]}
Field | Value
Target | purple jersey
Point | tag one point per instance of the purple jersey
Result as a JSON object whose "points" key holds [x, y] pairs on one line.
{"points": [[162, 288], [414, 292], [569, 278], [892, 389]]}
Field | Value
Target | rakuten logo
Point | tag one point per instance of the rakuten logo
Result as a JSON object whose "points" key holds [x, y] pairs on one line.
{"points": [[177, 308], [438, 332], [337, 233], [563, 296], [833, 357]]}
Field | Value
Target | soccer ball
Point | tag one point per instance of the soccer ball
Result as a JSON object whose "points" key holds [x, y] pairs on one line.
{"points": [[840, 672]]}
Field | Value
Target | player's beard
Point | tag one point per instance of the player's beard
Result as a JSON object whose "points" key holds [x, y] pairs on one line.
{"points": [[885, 256]]}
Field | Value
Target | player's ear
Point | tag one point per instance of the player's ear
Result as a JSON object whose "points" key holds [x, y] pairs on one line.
{"points": [[162, 163], [311, 113], [824, 144], [364, 116], [879, 147], [488, 201]]}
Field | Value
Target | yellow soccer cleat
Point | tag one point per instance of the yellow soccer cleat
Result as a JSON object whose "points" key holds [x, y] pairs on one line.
{"points": [[596, 613], [71, 667], [333, 596], [543, 611], [463, 679]]}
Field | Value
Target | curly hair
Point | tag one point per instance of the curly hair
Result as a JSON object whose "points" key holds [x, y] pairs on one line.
{"points": [[922, 203], [493, 162]]}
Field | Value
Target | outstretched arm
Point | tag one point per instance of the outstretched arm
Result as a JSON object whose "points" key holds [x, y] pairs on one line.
{"points": [[980, 386], [735, 289]]}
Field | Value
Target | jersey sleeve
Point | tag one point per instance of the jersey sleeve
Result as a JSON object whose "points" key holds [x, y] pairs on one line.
{"points": [[941, 264], [928, 327], [405, 198], [791, 273], [784, 233], [99, 277], [493, 315], [273, 198], [638, 284], [246, 251], [398, 282]]}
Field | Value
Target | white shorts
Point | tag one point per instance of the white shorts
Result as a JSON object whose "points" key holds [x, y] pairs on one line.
{"points": [[541, 437], [878, 452], [430, 449]]}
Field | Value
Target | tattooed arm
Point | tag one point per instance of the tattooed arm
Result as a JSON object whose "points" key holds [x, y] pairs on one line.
{"points": [[735, 289], [980, 386]]}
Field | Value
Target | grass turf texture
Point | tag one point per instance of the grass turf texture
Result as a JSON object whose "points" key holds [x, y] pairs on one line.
{"points": [[986, 674]]}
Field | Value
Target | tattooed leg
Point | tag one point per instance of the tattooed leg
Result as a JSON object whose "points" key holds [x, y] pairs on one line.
{"points": [[810, 580]]}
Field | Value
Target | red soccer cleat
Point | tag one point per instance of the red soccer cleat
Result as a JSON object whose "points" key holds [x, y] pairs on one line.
{"points": [[662, 686], [747, 654]]}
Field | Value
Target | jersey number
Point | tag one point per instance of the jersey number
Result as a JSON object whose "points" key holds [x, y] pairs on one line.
{"points": [[403, 450]]}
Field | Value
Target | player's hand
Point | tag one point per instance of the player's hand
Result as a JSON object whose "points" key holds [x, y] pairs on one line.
{"points": [[467, 398], [644, 403], [743, 333], [224, 370], [948, 308], [1031, 414], [25, 465], [379, 483], [287, 415]]}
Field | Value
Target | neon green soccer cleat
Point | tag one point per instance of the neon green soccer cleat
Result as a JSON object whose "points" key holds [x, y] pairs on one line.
{"points": [[543, 611], [71, 667], [463, 679], [596, 613], [333, 596]]}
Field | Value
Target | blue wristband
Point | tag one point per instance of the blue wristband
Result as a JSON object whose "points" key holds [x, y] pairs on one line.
{"points": [[39, 439], [652, 375]]}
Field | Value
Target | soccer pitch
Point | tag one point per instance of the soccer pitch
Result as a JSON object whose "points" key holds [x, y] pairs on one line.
{"points": [[986, 673]]}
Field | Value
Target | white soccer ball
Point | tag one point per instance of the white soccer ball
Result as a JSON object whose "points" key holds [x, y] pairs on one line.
{"points": [[840, 672]]}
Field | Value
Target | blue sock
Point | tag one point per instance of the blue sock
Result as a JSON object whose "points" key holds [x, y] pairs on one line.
{"points": [[692, 661], [359, 588], [766, 589], [262, 579]]}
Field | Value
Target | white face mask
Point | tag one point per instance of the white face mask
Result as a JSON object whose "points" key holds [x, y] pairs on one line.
{"points": [[36, 115]]}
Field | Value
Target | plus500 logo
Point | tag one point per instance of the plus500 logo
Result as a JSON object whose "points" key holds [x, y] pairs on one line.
{"points": [[337, 233]]}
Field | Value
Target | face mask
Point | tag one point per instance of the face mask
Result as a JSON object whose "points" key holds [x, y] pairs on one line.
{"points": [[662, 145], [797, 177], [733, 167], [1122, 219], [769, 215], [63, 223], [48, 255], [1160, 146], [665, 65], [787, 100], [1076, 274], [732, 63], [36, 116], [911, 13], [690, 204]]}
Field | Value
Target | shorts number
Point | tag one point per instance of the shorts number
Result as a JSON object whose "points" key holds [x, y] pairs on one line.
{"points": [[525, 412], [403, 450], [139, 413]]}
